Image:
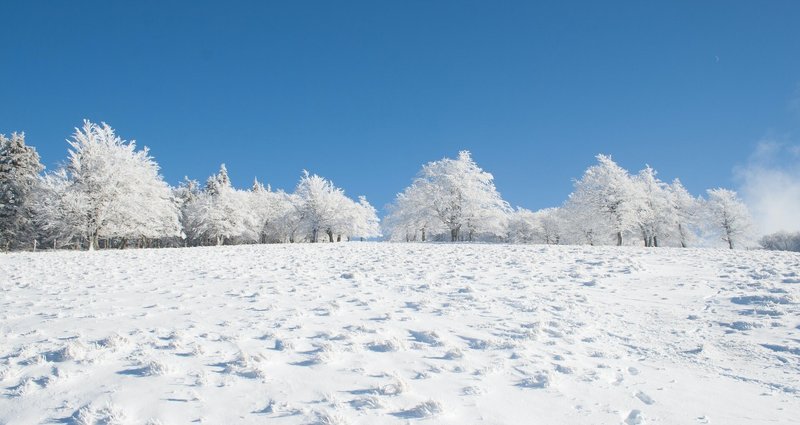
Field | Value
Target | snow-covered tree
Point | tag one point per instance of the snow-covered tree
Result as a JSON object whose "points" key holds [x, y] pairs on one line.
{"points": [[323, 208], [60, 212], [687, 212], [287, 226], [582, 223], [221, 213], [269, 209], [19, 180], [729, 215], [538, 227], [605, 192], [552, 228], [184, 196], [781, 241], [118, 189], [412, 217], [653, 211], [365, 222], [321, 205], [523, 226], [459, 194]]}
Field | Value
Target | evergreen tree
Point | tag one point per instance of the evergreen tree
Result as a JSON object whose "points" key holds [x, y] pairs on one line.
{"points": [[19, 180]]}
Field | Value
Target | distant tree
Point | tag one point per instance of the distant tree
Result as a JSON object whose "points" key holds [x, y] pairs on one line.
{"points": [[781, 241], [19, 181], [117, 188], [184, 196], [605, 192], [60, 211], [551, 221], [582, 221], [365, 222], [459, 194], [729, 216], [324, 210], [653, 211], [523, 226], [221, 213], [537, 227], [288, 226], [687, 212], [321, 205], [412, 217]]}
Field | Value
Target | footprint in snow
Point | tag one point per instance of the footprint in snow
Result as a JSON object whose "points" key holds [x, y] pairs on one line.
{"points": [[635, 417], [646, 399]]}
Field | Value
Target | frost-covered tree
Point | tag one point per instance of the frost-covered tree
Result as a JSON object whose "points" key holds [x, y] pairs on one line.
{"points": [[364, 222], [220, 213], [321, 205], [538, 227], [582, 223], [19, 180], [323, 209], [523, 226], [287, 227], [412, 217], [60, 212], [687, 212], [270, 209], [653, 210], [781, 241], [551, 221], [184, 196], [117, 188], [459, 194], [605, 192], [729, 216]]}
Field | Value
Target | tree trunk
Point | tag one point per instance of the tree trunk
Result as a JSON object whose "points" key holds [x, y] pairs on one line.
{"points": [[683, 237], [124, 243], [655, 241], [730, 239], [454, 235], [619, 238], [330, 235]]}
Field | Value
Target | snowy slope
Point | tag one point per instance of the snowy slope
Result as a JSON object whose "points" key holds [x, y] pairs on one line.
{"points": [[368, 333]]}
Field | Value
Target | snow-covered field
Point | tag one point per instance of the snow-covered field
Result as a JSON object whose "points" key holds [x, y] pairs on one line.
{"points": [[369, 333]]}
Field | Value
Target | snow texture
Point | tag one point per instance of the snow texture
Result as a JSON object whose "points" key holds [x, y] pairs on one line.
{"points": [[366, 333]]}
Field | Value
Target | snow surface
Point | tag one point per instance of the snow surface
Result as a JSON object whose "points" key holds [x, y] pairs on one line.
{"points": [[368, 333]]}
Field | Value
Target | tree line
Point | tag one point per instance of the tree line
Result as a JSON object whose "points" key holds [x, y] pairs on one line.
{"points": [[454, 199], [109, 194]]}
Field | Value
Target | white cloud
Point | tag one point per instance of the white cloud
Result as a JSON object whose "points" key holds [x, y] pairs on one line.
{"points": [[770, 185]]}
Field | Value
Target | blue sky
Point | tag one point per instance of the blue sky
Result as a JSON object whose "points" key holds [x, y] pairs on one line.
{"points": [[365, 92]]}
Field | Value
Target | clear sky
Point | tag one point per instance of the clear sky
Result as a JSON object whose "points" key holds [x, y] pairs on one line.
{"points": [[365, 92]]}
